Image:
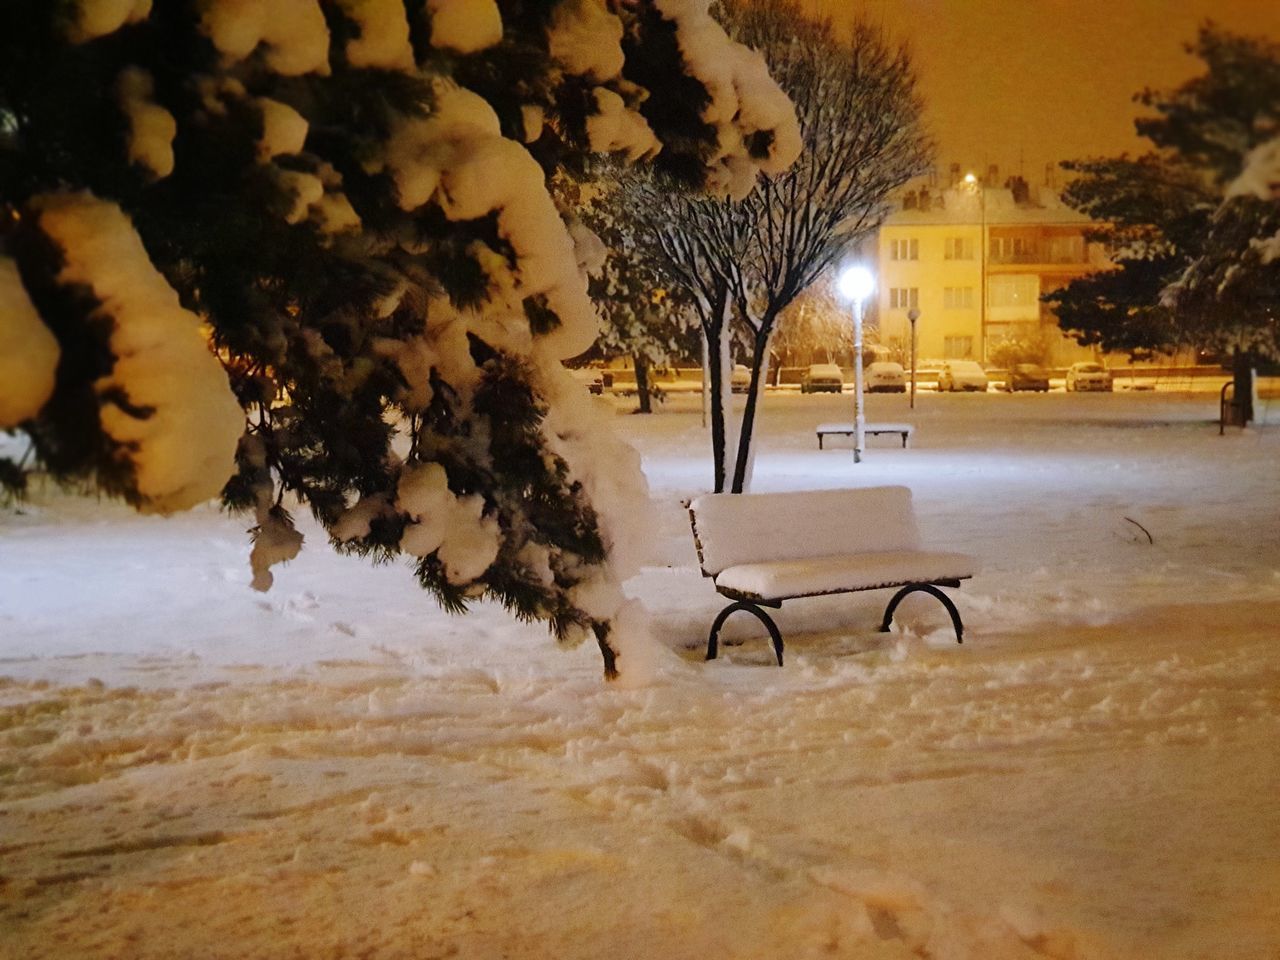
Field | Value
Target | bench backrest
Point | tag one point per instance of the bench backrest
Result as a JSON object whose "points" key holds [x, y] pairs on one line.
{"points": [[735, 528]]}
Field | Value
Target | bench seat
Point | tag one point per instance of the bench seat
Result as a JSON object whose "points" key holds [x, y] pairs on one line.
{"points": [[842, 573]]}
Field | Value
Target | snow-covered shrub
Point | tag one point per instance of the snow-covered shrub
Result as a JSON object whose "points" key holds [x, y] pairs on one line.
{"points": [[336, 211]]}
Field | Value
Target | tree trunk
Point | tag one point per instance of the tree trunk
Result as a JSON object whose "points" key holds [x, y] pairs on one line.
{"points": [[717, 410], [601, 629], [725, 389], [642, 384], [759, 351], [706, 384], [713, 322], [762, 365]]}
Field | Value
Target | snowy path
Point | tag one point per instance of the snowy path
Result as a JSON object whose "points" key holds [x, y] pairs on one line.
{"points": [[336, 769]]}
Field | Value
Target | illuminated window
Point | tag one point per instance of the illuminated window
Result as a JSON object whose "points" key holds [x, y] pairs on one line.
{"points": [[959, 248], [957, 298], [957, 348], [904, 249], [904, 298]]}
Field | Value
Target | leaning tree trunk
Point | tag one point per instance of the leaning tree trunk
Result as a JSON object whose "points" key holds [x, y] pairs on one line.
{"points": [[757, 394], [642, 384], [759, 362]]}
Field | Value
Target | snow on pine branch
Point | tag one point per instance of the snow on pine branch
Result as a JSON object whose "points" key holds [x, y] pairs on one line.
{"points": [[458, 160], [465, 26], [1261, 178], [284, 129], [1261, 174], [744, 100], [383, 42], [28, 351], [98, 18], [293, 33], [586, 39], [166, 403], [151, 127]]}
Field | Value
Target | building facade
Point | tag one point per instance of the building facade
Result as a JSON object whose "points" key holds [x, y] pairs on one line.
{"points": [[974, 260]]}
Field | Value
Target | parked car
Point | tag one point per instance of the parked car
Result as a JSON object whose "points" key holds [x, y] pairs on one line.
{"points": [[822, 377], [1027, 376], [887, 377], [1088, 376], [740, 379], [962, 375], [596, 381]]}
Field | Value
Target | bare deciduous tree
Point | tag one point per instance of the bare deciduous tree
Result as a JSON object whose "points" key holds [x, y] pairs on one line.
{"points": [[860, 117]]}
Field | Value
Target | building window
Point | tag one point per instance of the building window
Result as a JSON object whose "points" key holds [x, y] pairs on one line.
{"points": [[1012, 249], [957, 298], [904, 298], [959, 248], [1066, 249], [904, 249], [957, 348], [1013, 291]]}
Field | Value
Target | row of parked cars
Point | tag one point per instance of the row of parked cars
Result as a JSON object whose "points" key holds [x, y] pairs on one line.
{"points": [[885, 376], [956, 375]]}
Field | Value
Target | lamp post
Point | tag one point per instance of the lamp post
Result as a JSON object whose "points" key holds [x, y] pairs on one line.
{"points": [[981, 190], [856, 284], [913, 315]]}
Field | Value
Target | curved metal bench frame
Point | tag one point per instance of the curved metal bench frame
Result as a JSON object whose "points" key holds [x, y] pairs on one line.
{"points": [[753, 607], [932, 590]]}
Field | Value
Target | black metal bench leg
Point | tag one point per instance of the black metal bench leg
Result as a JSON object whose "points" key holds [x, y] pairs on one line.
{"points": [[928, 588], [713, 642]]}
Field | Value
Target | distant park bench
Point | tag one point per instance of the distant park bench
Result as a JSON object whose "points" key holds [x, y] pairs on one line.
{"points": [[762, 549], [871, 430]]}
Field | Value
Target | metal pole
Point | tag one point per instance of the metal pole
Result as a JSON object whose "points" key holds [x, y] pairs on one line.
{"points": [[982, 260], [859, 420], [913, 316]]}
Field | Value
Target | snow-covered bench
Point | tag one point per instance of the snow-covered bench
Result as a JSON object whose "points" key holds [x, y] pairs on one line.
{"points": [[762, 549], [870, 430]]}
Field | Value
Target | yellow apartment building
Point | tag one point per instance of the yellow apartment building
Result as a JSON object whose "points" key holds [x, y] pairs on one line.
{"points": [[974, 260]]}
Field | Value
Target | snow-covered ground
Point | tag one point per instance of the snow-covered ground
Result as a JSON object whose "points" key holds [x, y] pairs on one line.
{"points": [[336, 769]]}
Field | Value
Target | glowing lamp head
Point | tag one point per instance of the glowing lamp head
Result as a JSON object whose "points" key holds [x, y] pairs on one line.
{"points": [[970, 179], [856, 283]]}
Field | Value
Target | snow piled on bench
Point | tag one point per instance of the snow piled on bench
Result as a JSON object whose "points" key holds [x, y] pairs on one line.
{"points": [[797, 525], [831, 574]]}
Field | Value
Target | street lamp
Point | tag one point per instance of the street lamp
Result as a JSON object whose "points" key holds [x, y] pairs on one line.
{"points": [[856, 283], [980, 189], [913, 315]]}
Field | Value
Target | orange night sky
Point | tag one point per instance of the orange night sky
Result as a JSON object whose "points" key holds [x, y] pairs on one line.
{"points": [[1034, 81]]}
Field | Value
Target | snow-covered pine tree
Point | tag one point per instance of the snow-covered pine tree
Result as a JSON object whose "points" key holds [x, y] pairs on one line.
{"points": [[302, 251]]}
